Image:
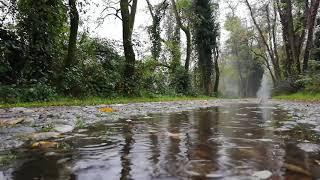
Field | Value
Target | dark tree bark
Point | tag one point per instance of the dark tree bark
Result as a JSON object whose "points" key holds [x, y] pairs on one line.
{"points": [[206, 67], [217, 71], [186, 30], [128, 18], [311, 25], [293, 33], [74, 24]]}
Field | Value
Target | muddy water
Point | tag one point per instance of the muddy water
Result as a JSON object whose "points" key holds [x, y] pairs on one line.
{"points": [[228, 142]]}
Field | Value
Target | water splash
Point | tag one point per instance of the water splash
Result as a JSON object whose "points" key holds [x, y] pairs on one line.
{"points": [[264, 91]]}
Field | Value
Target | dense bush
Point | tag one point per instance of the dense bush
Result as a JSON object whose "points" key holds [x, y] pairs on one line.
{"points": [[90, 80], [181, 81], [287, 86], [98, 72], [311, 81], [34, 92], [12, 57], [151, 79]]}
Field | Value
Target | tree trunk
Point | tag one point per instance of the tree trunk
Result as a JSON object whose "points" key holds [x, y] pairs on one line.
{"points": [[206, 67], [187, 32], [128, 18], [74, 24], [217, 71], [311, 24], [188, 56]]}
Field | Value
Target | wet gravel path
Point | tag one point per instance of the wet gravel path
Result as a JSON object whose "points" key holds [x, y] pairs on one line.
{"points": [[19, 125]]}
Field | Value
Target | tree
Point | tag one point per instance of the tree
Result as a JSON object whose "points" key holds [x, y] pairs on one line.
{"points": [[240, 45], [173, 40], [206, 41], [74, 23], [217, 70], [310, 26], [157, 13], [316, 43], [186, 30], [296, 17], [128, 18], [267, 38], [42, 30]]}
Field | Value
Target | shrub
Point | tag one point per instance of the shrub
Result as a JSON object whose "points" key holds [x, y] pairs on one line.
{"points": [[181, 81], [288, 86], [34, 92], [90, 80]]}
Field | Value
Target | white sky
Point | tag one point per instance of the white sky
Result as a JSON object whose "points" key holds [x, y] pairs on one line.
{"points": [[112, 29]]}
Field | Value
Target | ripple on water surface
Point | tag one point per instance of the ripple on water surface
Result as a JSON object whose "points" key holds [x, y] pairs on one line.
{"points": [[232, 142]]}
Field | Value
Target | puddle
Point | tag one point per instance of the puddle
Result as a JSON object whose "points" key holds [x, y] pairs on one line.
{"points": [[229, 142]]}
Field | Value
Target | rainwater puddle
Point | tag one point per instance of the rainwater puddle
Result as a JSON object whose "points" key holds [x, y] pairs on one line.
{"points": [[237, 141]]}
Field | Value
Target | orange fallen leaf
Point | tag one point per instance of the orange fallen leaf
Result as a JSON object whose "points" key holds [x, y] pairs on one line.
{"points": [[44, 144], [106, 110]]}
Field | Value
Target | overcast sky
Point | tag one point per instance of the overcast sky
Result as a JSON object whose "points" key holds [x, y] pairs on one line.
{"points": [[112, 29]]}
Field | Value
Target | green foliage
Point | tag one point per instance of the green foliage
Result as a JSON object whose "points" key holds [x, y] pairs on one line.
{"points": [[288, 86], [38, 92], [206, 35], [42, 29], [9, 94], [154, 30], [80, 123], [181, 81], [244, 68], [30, 93], [184, 4], [12, 53], [98, 72], [154, 80], [151, 79], [311, 80]]}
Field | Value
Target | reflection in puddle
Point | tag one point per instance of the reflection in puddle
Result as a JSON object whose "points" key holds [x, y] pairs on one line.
{"points": [[230, 142]]}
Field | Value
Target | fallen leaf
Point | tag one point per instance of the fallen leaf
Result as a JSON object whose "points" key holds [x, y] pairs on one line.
{"points": [[44, 145], [297, 169], [106, 110], [9, 122], [174, 135]]}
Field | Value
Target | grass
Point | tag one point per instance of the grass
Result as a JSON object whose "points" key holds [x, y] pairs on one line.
{"points": [[80, 123], [300, 96], [97, 100]]}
